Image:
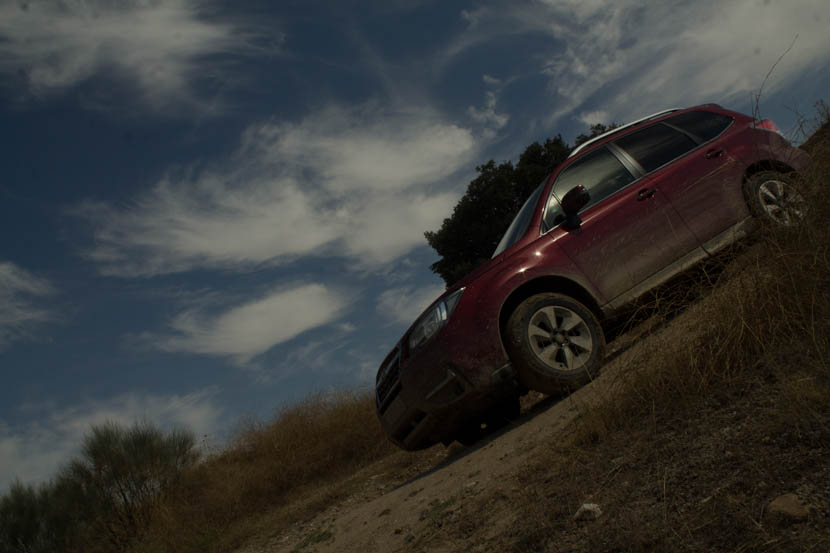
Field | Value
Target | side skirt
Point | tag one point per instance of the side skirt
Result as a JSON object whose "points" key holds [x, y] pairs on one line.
{"points": [[710, 247]]}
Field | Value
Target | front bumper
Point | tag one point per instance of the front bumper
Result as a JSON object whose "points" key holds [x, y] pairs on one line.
{"points": [[428, 399]]}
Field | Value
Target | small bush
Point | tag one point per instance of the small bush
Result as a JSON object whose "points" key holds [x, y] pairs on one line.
{"points": [[101, 500], [266, 467]]}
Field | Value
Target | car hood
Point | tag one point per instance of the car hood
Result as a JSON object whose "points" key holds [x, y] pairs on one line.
{"points": [[482, 269]]}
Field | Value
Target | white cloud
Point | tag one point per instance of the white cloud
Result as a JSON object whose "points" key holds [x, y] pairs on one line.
{"points": [[633, 57], [404, 304], [473, 17], [20, 304], [487, 116], [369, 147], [247, 330], [33, 451], [490, 80], [596, 117], [636, 57], [160, 45], [216, 220], [362, 182]]}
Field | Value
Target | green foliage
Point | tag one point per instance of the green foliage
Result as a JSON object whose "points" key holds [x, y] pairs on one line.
{"points": [[468, 238], [102, 499], [124, 473], [595, 130], [20, 520]]}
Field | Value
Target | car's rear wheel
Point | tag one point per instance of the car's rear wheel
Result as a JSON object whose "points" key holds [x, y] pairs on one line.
{"points": [[774, 196], [556, 344]]}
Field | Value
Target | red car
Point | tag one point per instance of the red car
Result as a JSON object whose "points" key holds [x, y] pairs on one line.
{"points": [[624, 213]]}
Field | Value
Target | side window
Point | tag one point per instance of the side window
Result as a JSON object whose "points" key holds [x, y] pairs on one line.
{"points": [[705, 125], [600, 172], [655, 146]]}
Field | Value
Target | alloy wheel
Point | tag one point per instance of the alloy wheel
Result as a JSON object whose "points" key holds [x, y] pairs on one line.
{"points": [[780, 202], [560, 338]]}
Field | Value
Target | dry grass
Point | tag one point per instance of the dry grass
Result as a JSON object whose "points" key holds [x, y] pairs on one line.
{"points": [[267, 469], [769, 310], [713, 416]]}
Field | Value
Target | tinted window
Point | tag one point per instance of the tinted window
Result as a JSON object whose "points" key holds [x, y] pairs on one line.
{"points": [[655, 146], [519, 225], [703, 124], [600, 172]]}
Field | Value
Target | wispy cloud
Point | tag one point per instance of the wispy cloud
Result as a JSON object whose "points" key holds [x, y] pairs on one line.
{"points": [[249, 329], [595, 117], [361, 183], [623, 55], [34, 450], [162, 46], [487, 116], [21, 298]]}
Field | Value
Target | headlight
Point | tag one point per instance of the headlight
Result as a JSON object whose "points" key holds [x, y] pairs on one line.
{"points": [[431, 321]]}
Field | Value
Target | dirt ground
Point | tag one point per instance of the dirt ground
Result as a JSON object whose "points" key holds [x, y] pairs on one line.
{"points": [[699, 481], [742, 466]]}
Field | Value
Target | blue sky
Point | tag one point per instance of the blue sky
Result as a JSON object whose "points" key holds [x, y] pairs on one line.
{"points": [[210, 209]]}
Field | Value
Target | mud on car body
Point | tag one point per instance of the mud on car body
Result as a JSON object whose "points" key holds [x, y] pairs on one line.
{"points": [[625, 212]]}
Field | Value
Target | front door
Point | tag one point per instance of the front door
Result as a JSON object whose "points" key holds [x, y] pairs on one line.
{"points": [[629, 231]]}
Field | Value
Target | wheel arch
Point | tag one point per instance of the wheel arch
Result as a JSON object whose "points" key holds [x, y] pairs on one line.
{"points": [[766, 165], [543, 284]]}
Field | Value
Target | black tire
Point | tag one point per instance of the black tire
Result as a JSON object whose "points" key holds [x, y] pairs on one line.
{"points": [[494, 419], [556, 344], [774, 197], [470, 434], [503, 414]]}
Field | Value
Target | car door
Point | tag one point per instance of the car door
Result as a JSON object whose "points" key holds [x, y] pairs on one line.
{"points": [[693, 168], [629, 228]]}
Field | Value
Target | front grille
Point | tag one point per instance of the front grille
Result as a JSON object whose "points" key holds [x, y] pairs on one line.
{"points": [[387, 384]]}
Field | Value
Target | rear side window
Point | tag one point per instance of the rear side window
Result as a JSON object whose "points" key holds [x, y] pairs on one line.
{"points": [[655, 146], [704, 125], [600, 172]]}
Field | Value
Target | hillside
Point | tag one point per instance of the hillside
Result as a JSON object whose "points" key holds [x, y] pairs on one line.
{"points": [[709, 430]]}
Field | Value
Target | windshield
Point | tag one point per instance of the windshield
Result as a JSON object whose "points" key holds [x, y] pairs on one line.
{"points": [[519, 225]]}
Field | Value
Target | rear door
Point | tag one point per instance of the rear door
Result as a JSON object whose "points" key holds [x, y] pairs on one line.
{"points": [[687, 158], [629, 229]]}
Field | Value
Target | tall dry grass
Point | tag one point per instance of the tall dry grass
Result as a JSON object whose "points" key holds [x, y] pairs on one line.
{"points": [[767, 309], [712, 416], [264, 472], [767, 314]]}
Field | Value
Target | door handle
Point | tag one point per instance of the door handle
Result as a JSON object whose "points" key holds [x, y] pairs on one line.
{"points": [[645, 194], [714, 152]]}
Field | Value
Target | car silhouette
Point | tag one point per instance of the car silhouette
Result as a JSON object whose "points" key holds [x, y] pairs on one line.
{"points": [[627, 211]]}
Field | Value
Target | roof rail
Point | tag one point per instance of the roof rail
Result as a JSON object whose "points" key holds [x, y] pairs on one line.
{"points": [[618, 129]]}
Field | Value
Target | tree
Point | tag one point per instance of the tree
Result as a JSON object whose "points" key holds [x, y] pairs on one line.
{"points": [[469, 236], [108, 493], [124, 473], [20, 520]]}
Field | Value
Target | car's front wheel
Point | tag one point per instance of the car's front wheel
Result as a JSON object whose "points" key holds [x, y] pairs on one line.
{"points": [[556, 344], [774, 196]]}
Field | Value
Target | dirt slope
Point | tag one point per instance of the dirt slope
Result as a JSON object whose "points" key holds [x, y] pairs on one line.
{"points": [[720, 442], [477, 487]]}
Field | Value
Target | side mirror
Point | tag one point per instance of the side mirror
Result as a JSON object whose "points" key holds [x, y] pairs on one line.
{"points": [[574, 199]]}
